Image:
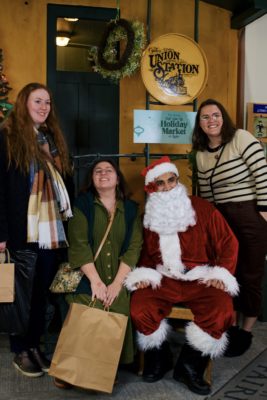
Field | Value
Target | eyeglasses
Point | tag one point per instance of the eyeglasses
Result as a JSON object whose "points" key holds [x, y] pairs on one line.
{"points": [[206, 117]]}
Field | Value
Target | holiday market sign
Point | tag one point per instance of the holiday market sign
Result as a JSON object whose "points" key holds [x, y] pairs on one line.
{"points": [[174, 69], [154, 126]]}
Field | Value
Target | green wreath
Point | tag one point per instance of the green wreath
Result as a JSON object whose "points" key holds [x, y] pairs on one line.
{"points": [[106, 56]]}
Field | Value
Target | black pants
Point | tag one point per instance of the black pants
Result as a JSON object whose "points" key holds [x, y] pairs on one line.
{"points": [[251, 231], [46, 267]]}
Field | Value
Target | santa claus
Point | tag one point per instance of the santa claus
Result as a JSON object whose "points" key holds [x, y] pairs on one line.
{"points": [[189, 256]]}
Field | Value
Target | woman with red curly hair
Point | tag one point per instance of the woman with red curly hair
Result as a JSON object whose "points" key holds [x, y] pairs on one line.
{"points": [[34, 202]]}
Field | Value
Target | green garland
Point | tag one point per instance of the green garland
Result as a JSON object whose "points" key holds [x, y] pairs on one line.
{"points": [[106, 56]]}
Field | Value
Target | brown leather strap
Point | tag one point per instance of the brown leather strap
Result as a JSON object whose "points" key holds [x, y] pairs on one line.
{"points": [[213, 171], [105, 235]]}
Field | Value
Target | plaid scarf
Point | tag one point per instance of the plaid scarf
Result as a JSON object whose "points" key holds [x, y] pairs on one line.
{"points": [[48, 206]]}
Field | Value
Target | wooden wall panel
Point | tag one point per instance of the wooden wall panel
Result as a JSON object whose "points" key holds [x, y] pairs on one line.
{"points": [[219, 43]]}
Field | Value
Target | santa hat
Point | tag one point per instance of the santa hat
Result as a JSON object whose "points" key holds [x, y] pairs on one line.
{"points": [[158, 168]]}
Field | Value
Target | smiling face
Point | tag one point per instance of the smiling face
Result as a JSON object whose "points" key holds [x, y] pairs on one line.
{"points": [[104, 176], [211, 122], [39, 106]]}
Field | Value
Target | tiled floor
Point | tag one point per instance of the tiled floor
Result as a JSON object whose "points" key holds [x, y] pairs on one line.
{"points": [[131, 387]]}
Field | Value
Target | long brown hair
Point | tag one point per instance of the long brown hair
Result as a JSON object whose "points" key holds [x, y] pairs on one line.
{"points": [[22, 147], [200, 139]]}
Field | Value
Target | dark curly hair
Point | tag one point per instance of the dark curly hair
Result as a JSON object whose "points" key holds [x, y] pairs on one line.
{"points": [[121, 190], [200, 139]]}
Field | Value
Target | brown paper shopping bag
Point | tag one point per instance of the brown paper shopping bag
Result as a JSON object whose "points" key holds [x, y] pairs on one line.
{"points": [[89, 346], [7, 279]]}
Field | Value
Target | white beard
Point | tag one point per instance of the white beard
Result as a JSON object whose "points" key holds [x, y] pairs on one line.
{"points": [[169, 212]]}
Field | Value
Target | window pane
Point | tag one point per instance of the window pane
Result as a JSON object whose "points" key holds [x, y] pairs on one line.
{"points": [[84, 36]]}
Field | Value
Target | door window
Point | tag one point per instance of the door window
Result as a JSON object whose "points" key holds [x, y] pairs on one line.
{"points": [[76, 40]]}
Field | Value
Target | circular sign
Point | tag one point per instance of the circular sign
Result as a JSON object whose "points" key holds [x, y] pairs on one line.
{"points": [[174, 69]]}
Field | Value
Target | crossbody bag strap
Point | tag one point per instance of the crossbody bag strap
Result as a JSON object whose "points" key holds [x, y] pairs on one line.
{"points": [[213, 170], [105, 235]]}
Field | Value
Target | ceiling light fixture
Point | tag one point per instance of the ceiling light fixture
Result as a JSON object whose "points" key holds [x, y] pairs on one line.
{"points": [[71, 19], [63, 38]]}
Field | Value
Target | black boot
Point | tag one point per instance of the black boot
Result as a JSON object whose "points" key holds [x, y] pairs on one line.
{"points": [[157, 362], [190, 368], [239, 341]]}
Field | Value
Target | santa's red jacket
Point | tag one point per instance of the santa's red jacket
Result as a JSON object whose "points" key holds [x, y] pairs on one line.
{"points": [[207, 251]]}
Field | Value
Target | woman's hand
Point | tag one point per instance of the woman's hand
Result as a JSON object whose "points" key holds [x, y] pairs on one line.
{"points": [[113, 291], [142, 285], [218, 284], [264, 215], [99, 291], [2, 247]]}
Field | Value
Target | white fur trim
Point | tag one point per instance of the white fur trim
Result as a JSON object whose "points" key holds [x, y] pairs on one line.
{"points": [[203, 273], [172, 273], [155, 340], [202, 341], [206, 273], [142, 274], [159, 170], [171, 253]]}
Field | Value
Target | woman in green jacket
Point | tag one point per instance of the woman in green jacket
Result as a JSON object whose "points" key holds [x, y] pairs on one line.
{"points": [[104, 198]]}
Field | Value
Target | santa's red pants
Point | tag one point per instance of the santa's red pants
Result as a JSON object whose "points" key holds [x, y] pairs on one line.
{"points": [[212, 308]]}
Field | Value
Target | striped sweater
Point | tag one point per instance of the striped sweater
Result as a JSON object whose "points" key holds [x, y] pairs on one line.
{"points": [[240, 175]]}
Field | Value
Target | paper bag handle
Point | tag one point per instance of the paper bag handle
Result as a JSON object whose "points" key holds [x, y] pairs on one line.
{"points": [[93, 303], [7, 256]]}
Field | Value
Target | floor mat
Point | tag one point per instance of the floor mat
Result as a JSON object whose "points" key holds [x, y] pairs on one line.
{"points": [[249, 383]]}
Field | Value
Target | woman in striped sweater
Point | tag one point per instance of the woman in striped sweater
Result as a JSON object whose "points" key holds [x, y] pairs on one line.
{"points": [[232, 173]]}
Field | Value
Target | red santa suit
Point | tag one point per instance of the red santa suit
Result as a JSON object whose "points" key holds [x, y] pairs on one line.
{"points": [[177, 260]]}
